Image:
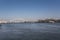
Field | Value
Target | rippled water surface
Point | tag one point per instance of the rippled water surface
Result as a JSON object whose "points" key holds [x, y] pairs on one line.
{"points": [[30, 31]]}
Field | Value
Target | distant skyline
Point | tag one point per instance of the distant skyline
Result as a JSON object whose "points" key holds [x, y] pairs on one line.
{"points": [[29, 9]]}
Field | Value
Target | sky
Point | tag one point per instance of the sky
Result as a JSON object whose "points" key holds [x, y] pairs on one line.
{"points": [[29, 9]]}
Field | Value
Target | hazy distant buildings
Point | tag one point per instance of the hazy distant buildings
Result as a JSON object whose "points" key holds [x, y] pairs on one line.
{"points": [[51, 21], [30, 21], [3, 21]]}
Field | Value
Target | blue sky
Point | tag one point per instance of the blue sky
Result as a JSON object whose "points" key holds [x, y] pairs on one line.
{"points": [[30, 8]]}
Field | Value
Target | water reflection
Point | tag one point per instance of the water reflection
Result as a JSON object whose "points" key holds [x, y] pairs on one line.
{"points": [[0, 26], [38, 31]]}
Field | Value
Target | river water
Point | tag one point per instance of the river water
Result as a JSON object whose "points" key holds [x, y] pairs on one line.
{"points": [[30, 31]]}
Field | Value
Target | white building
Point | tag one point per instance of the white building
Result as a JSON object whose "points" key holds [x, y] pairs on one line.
{"points": [[3, 21], [51, 21]]}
